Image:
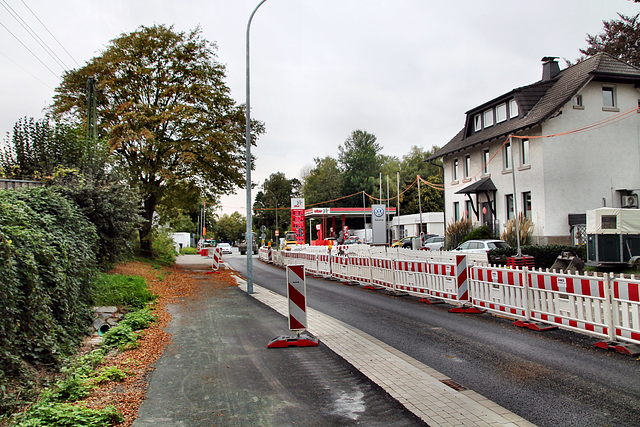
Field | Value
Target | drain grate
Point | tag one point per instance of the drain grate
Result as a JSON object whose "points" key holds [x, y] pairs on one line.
{"points": [[454, 385]]}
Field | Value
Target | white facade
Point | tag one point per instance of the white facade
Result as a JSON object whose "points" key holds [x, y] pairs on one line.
{"points": [[568, 173]]}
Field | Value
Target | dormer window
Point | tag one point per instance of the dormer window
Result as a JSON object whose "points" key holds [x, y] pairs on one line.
{"points": [[477, 122], [498, 114], [501, 113], [513, 109], [488, 118]]}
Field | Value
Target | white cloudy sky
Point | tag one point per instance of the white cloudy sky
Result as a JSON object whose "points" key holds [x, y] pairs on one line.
{"points": [[404, 70]]}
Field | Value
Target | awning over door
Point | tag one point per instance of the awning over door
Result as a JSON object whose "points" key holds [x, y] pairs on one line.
{"points": [[484, 186]]}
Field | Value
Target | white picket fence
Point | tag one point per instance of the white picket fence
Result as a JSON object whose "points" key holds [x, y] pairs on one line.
{"points": [[602, 306]]}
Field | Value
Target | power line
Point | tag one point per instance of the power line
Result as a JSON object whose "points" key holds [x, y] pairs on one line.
{"points": [[30, 51], [34, 35], [50, 33], [27, 71]]}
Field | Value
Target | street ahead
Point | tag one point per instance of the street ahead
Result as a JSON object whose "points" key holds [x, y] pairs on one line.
{"points": [[549, 378]]}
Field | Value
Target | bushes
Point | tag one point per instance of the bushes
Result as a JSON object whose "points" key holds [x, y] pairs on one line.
{"points": [[525, 226], [48, 253], [456, 232]]}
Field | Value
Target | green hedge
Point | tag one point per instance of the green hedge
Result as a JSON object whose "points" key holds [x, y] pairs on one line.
{"points": [[544, 256], [47, 264]]}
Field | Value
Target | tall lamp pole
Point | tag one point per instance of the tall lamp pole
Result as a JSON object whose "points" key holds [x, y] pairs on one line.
{"points": [[249, 236]]}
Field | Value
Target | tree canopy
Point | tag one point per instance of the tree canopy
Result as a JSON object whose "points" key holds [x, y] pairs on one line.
{"points": [[166, 111], [620, 38], [272, 202]]}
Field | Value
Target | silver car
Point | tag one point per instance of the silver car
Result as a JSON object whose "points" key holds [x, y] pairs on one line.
{"points": [[481, 245], [433, 243]]}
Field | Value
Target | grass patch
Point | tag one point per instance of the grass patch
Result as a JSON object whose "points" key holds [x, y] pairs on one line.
{"points": [[188, 251], [121, 290]]}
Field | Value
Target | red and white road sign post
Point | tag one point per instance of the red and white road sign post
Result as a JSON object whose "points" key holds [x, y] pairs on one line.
{"points": [[297, 296]]}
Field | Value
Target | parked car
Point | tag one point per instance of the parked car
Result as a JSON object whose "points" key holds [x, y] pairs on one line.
{"points": [[433, 243], [481, 245], [225, 247], [405, 242], [352, 240]]}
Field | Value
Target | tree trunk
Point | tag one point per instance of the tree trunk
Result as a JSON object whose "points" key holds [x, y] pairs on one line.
{"points": [[146, 229]]}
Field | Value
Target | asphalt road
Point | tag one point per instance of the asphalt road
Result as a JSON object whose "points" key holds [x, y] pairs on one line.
{"points": [[549, 378]]}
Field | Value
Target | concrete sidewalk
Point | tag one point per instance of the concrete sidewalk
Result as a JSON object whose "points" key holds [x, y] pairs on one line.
{"points": [[218, 371]]}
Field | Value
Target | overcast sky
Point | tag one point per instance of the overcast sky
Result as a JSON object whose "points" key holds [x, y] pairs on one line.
{"points": [[403, 70]]}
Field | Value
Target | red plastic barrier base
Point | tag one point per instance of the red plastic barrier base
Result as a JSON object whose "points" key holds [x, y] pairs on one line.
{"points": [[302, 340], [620, 347], [212, 272], [534, 326], [467, 309], [431, 301]]}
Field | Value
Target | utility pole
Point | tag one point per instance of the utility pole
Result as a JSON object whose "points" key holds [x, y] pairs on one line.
{"points": [[92, 116]]}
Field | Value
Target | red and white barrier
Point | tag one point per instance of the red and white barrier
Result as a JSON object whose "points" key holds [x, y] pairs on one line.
{"points": [[360, 268], [383, 273], [500, 290], [324, 265], [340, 268], [412, 277], [297, 296], [573, 302], [626, 309]]}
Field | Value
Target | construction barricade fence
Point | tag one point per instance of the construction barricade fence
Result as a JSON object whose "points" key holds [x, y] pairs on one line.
{"points": [[602, 306]]}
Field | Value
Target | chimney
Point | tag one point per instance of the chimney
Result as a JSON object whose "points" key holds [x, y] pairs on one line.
{"points": [[550, 67]]}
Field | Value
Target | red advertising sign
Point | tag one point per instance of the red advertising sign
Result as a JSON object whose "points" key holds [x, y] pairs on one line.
{"points": [[297, 219]]}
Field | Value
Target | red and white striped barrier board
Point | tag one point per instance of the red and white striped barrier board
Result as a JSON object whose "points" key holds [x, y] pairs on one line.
{"points": [[297, 296], [626, 309], [499, 290], [462, 276], [412, 277], [217, 259], [573, 302]]}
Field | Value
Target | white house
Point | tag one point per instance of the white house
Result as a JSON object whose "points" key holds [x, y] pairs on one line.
{"points": [[576, 148]]}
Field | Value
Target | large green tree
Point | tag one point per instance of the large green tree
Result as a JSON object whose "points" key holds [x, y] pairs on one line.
{"points": [[164, 106], [275, 196], [621, 38], [413, 164], [360, 163], [323, 183]]}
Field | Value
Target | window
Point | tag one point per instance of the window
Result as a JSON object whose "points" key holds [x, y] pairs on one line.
{"points": [[455, 169], [477, 122], [501, 113], [485, 161], [488, 118], [456, 211], [513, 109], [509, 203], [526, 204], [577, 102], [608, 97], [506, 155], [524, 152], [467, 166]]}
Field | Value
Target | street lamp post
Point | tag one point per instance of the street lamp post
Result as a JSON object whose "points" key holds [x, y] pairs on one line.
{"points": [[249, 237]]}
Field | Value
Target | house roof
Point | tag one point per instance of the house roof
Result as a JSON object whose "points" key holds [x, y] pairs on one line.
{"points": [[541, 100]]}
